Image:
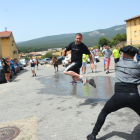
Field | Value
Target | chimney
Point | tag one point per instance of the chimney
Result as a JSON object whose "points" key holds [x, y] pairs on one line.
{"points": [[5, 29]]}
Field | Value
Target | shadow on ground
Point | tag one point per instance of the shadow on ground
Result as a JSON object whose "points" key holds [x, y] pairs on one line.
{"points": [[135, 135]]}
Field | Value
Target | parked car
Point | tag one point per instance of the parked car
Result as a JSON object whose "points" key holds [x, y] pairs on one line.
{"points": [[47, 60], [24, 62], [20, 65], [42, 62], [60, 59], [2, 76]]}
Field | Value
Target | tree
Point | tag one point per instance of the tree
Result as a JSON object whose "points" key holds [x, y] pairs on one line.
{"points": [[48, 55]]}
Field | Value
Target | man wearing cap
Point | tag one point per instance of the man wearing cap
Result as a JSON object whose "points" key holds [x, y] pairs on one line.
{"points": [[127, 79], [55, 62]]}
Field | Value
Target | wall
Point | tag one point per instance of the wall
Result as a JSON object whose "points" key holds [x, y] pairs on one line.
{"points": [[130, 29], [5, 46], [13, 47], [0, 50]]}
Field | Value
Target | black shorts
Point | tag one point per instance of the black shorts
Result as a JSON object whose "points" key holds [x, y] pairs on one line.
{"points": [[6, 70], [74, 67], [55, 65], [116, 60]]}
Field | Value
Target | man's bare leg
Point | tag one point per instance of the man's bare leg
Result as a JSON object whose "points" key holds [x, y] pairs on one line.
{"points": [[115, 66], [73, 74], [84, 69]]}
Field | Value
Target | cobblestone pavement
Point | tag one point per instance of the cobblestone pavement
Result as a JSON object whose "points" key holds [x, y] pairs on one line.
{"points": [[63, 111]]}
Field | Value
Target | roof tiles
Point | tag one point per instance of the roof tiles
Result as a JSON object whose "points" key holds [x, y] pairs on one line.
{"points": [[133, 18], [5, 34]]}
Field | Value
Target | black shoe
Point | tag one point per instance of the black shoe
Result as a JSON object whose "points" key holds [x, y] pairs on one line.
{"points": [[35, 74], [91, 82], [92, 71], [91, 137]]}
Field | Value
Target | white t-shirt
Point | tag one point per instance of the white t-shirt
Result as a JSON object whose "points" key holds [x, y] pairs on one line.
{"points": [[32, 60], [92, 55]]}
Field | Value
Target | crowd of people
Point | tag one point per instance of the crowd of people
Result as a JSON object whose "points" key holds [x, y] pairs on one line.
{"points": [[7, 63]]}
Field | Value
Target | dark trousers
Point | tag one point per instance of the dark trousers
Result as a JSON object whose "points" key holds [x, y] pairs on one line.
{"points": [[13, 68], [116, 102]]}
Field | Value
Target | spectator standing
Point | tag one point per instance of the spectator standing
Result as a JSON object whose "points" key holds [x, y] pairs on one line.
{"points": [[104, 57], [12, 64], [94, 60], [138, 54], [55, 62], [6, 68], [101, 48], [84, 63], [116, 56], [121, 53], [16, 66], [32, 65], [107, 53], [37, 62]]}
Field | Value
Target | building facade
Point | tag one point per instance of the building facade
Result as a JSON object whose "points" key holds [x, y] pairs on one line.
{"points": [[8, 45], [0, 50], [133, 30]]}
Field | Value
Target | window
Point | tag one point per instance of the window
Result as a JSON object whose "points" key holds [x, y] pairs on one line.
{"points": [[14, 52], [135, 33], [135, 22]]}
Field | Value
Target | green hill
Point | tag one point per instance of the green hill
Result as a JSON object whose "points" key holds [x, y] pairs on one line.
{"points": [[57, 41]]}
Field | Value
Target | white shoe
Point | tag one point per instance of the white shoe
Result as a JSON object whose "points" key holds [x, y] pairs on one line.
{"points": [[83, 79]]}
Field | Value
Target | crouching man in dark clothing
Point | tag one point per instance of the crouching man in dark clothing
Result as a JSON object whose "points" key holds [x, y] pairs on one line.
{"points": [[127, 79]]}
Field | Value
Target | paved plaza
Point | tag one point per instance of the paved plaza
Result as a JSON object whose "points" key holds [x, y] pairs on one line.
{"points": [[47, 107]]}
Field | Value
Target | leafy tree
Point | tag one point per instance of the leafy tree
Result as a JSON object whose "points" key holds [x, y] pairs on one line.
{"points": [[48, 55]]}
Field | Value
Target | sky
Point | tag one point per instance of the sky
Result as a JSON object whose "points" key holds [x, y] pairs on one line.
{"points": [[31, 19]]}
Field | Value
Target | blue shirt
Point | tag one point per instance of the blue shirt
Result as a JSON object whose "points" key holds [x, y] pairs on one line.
{"points": [[11, 64]]}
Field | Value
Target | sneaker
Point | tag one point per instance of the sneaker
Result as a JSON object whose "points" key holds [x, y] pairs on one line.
{"points": [[91, 82], [55, 71], [83, 79], [75, 83], [35, 74], [95, 71], [104, 69], [91, 137], [72, 82], [92, 71], [106, 72], [7, 81]]}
